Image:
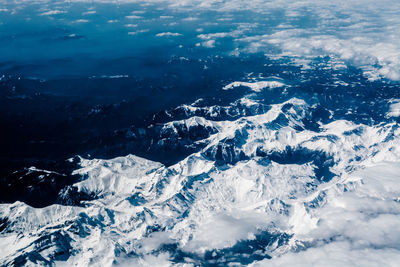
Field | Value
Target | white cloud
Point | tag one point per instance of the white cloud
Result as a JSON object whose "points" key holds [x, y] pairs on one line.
{"points": [[168, 34], [225, 230], [133, 17], [356, 227], [394, 109], [130, 25], [337, 254], [81, 21], [138, 31], [52, 12], [208, 44], [89, 12]]}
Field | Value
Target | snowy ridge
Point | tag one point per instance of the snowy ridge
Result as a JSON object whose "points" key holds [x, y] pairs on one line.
{"points": [[256, 86], [241, 107], [263, 186]]}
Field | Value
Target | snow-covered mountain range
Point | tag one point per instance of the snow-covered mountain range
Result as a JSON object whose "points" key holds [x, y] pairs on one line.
{"points": [[200, 133], [263, 185]]}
